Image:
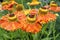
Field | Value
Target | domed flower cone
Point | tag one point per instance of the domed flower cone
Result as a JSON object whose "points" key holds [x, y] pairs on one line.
{"points": [[43, 11], [34, 3], [9, 23]]}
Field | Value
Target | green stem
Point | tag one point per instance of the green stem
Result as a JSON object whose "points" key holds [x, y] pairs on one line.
{"points": [[5, 38], [43, 30], [22, 4], [29, 7], [35, 36], [54, 30], [11, 36], [50, 29]]}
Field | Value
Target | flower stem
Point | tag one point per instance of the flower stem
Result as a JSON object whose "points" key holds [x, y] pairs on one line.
{"points": [[54, 30]]}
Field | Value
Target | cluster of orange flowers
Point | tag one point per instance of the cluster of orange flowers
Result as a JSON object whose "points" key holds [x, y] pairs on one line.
{"points": [[31, 22]]}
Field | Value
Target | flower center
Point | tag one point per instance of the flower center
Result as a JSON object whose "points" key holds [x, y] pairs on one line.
{"points": [[43, 7], [12, 17], [31, 16]]}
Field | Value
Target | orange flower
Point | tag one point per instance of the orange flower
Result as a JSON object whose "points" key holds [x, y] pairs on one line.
{"points": [[30, 27], [46, 18], [8, 24], [54, 7], [9, 6], [26, 25]]}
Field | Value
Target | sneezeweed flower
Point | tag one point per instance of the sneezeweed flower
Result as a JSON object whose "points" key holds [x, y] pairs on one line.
{"points": [[34, 2], [5, 5], [45, 16], [8, 5], [28, 23], [53, 4], [54, 7], [9, 22], [32, 25]]}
